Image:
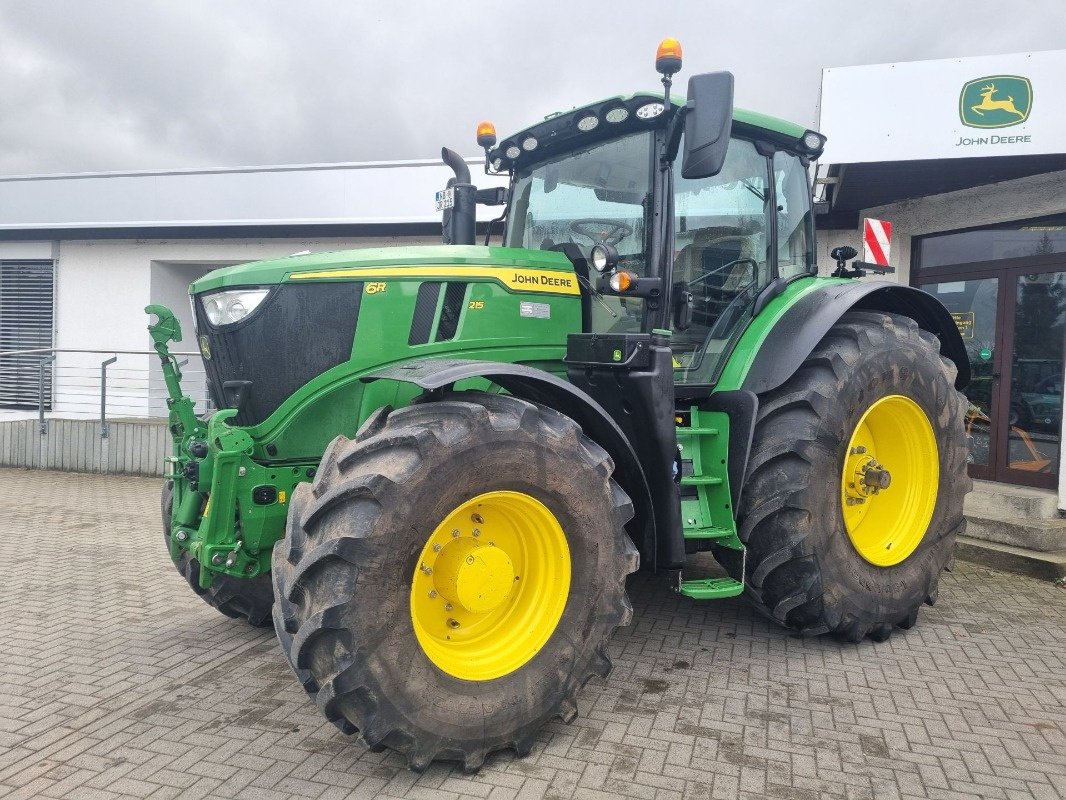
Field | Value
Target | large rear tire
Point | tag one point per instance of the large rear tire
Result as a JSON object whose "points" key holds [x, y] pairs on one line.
{"points": [[247, 599], [404, 647], [874, 403]]}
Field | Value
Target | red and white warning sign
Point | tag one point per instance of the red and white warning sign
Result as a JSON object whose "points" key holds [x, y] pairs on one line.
{"points": [[876, 241]]}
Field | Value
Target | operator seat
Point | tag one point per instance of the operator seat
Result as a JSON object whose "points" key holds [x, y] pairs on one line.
{"points": [[695, 266]]}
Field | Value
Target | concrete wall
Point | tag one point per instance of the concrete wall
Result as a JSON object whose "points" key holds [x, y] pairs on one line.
{"points": [[134, 448]]}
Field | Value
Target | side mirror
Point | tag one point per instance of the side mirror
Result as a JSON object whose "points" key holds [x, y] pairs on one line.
{"points": [[708, 122]]}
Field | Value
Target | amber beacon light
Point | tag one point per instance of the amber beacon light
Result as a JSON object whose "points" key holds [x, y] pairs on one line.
{"points": [[486, 134], [668, 56]]}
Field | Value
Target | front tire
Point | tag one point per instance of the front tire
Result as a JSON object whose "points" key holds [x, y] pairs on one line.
{"points": [[368, 587], [248, 599], [875, 398]]}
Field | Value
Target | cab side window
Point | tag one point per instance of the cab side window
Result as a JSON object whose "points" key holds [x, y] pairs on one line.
{"points": [[795, 224]]}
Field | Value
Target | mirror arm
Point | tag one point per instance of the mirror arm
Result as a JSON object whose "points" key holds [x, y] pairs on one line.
{"points": [[673, 133]]}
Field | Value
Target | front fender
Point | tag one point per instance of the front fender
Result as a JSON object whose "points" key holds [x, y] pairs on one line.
{"points": [[537, 386], [808, 320]]}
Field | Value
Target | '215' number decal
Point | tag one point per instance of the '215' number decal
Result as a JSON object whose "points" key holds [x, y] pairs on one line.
{"points": [[476, 305]]}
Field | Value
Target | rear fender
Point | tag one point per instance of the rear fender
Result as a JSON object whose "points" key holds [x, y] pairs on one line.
{"points": [[537, 386], [808, 320]]}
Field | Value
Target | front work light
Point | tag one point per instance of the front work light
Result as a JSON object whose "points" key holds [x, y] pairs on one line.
{"points": [[650, 110], [486, 134], [603, 257], [813, 142], [225, 308], [588, 123]]}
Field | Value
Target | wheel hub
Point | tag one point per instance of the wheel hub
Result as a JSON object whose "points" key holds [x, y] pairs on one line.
{"points": [[478, 577], [866, 476]]}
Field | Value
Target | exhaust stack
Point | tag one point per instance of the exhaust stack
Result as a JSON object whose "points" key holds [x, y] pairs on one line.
{"points": [[457, 221]]}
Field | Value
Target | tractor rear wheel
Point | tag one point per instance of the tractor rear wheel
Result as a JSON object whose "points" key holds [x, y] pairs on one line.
{"points": [[451, 578], [248, 599], [855, 483]]}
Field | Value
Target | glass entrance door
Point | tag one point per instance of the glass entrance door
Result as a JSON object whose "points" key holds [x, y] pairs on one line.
{"points": [[974, 304], [1013, 323]]}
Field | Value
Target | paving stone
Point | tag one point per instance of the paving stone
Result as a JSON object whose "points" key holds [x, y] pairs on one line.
{"points": [[117, 682]]}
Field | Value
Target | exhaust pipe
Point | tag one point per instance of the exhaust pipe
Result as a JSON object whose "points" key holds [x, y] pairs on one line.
{"points": [[457, 223]]}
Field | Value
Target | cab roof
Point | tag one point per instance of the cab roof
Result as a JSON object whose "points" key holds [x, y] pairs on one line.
{"points": [[560, 131]]}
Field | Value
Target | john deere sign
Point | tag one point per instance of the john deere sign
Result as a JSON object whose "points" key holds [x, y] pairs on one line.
{"points": [[997, 101], [975, 107]]}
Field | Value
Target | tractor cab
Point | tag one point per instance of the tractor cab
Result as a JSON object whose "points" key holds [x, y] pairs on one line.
{"points": [[676, 213]]}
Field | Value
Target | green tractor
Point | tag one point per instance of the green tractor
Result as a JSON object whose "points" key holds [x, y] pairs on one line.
{"points": [[434, 467]]}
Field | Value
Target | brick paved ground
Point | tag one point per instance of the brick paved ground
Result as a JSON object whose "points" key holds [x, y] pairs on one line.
{"points": [[116, 681]]}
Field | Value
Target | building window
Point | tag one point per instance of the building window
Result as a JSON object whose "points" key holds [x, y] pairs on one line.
{"points": [[1042, 237], [26, 318]]}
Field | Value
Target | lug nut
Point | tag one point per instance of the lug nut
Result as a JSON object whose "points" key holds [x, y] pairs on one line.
{"points": [[447, 606], [477, 532], [455, 533], [432, 594], [436, 548]]}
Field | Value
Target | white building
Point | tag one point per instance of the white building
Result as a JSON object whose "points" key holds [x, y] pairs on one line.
{"points": [[966, 158], [82, 255]]}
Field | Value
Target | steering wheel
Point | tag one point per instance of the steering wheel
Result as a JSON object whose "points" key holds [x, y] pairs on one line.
{"points": [[601, 231]]}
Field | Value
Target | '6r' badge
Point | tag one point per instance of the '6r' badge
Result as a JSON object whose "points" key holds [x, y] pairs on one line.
{"points": [[205, 348]]}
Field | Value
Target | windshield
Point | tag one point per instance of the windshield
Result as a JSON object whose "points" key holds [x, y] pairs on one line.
{"points": [[602, 194]]}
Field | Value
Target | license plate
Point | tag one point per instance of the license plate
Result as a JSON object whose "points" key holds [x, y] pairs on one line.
{"points": [[445, 199]]}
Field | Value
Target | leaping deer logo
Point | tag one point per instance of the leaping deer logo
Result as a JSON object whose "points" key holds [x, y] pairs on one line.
{"points": [[988, 104], [996, 101]]}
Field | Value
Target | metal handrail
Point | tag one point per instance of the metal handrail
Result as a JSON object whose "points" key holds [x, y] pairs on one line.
{"points": [[49, 358], [42, 350]]}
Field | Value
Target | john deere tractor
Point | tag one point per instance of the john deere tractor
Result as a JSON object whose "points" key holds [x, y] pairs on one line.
{"points": [[433, 468]]}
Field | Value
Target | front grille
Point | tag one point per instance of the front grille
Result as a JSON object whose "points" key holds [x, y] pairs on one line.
{"points": [[299, 332]]}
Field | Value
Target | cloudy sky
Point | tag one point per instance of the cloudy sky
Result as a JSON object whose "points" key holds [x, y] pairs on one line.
{"points": [[89, 85]]}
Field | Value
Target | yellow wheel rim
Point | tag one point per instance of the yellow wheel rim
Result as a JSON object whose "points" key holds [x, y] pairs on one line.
{"points": [[490, 585], [889, 481]]}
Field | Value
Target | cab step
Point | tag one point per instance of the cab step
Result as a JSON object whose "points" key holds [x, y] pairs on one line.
{"points": [[708, 533], [710, 588]]}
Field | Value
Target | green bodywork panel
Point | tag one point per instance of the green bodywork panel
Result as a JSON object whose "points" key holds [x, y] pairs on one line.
{"points": [[233, 535], [402, 258]]}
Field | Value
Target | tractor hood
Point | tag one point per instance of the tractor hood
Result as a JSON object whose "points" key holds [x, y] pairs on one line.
{"points": [[433, 260]]}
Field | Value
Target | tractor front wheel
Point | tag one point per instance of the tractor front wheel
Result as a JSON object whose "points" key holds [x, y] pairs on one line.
{"points": [[855, 483], [247, 599], [450, 579]]}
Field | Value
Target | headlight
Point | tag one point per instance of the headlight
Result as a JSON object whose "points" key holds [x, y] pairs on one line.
{"points": [[224, 308]]}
